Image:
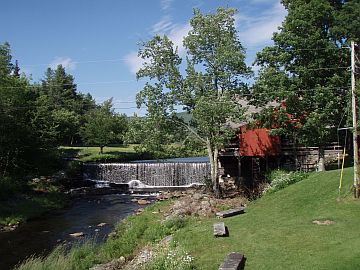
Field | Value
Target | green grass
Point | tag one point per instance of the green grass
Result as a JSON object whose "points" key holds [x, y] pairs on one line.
{"points": [[123, 153], [277, 231], [110, 153]]}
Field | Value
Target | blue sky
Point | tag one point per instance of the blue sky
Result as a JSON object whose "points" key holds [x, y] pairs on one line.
{"points": [[97, 41]]}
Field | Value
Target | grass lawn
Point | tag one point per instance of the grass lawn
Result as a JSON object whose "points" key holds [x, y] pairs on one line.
{"points": [[84, 153], [277, 231]]}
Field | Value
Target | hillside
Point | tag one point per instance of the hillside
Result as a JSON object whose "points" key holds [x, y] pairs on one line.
{"points": [[278, 232]]}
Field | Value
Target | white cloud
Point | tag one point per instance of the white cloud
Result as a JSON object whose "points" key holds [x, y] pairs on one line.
{"points": [[177, 35], [66, 62], [166, 4], [259, 29], [133, 61], [163, 26]]}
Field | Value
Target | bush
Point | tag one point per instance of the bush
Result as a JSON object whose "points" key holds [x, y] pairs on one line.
{"points": [[9, 187], [279, 179]]}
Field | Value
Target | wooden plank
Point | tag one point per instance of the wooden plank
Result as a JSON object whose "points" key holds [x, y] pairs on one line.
{"points": [[231, 212], [219, 229], [233, 261]]}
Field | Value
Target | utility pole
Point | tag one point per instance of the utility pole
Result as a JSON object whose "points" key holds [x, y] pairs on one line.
{"points": [[355, 134]]}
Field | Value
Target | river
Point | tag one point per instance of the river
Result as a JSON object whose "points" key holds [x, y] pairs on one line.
{"points": [[41, 235]]}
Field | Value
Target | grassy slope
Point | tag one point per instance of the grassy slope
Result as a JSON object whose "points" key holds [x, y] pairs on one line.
{"points": [[277, 231]]}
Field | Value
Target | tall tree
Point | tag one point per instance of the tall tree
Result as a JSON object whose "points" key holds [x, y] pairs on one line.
{"points": [[215, 68], [307, 67]]}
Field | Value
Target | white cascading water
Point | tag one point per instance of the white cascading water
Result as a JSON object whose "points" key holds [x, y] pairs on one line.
{"points": [[152, 174]]}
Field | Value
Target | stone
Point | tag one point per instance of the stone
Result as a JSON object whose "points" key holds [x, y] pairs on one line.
{"points": [[233, 261], [165, 241], [324, 222], [112, 234], [143, 202], [197, 196], [102, 224], [219, 229], [77, 234], [231, 212]]}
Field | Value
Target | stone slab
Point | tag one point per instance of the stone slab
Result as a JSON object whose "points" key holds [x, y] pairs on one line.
{"points": [[231, 212], [233, 261], [219, 229]]}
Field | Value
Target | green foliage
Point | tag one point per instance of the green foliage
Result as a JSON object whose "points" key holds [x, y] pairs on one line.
{"points": [[279, 179], [103, 126], [36, 118], [307, 68], [213, 77]]}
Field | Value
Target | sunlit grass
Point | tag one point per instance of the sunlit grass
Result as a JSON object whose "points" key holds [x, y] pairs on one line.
{"points": [[276, 232]]}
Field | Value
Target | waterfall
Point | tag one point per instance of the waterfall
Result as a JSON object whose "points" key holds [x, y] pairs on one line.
{"points": [[152, 174]]}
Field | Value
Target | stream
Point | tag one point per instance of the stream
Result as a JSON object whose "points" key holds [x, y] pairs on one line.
{"points": [[39, 236]]}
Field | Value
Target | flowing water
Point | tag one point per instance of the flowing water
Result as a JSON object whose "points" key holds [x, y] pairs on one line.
{"points": [[174, 172], [41, 235]]}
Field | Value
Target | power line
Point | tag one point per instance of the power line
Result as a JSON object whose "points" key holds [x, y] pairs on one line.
{"points": [[254, 94], [66, 84], [79, 62], [249, 48]]}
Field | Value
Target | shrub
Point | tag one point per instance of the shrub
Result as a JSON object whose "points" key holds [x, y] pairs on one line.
{"points": [[9, 187], [279, 179]]}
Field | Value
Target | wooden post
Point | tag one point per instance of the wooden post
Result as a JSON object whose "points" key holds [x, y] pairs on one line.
{"points": [[355, 134]]}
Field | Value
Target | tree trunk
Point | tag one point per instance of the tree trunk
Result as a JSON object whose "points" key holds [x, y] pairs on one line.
{"points": [[296, 161], [213, 156], [101, 150], [321, 161]]}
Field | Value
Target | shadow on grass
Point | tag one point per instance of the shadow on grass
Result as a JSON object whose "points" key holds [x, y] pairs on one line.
{"points": [[69, 152], [115, 156]]}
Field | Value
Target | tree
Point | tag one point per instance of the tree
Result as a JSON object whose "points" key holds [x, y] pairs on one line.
{"points": [[215, 68], [103, 126], [307, 68], [18, 141], [63, 107]]}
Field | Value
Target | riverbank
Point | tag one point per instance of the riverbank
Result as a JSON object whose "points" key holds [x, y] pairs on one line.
{"points": [[87, 217], [32, 200], [307, 225]]}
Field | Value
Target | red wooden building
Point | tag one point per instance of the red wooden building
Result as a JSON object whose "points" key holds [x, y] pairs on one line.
{"points": [[254, 151]]}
